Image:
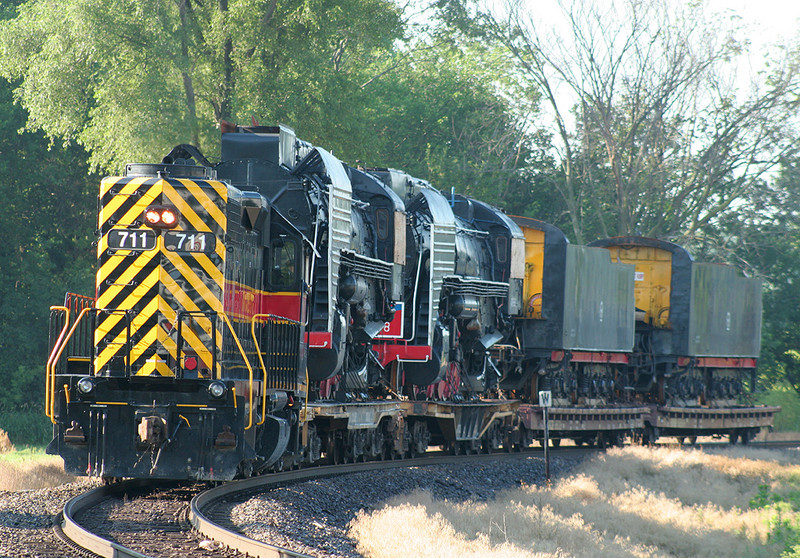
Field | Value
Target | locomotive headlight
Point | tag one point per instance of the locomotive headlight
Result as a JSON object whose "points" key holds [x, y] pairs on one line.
{"points": [[216, 389], [169, 217], [85, 386], [161, 217], [152, 217]]}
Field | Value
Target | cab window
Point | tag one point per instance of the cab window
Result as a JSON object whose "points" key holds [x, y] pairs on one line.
{"points": [[501, 249], [283, 263], [382, 217]]}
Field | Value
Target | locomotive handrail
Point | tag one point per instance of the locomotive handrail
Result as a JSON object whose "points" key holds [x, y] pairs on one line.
{"points": [[261, 359], [51, 375], [249, 368], [49, 395]]}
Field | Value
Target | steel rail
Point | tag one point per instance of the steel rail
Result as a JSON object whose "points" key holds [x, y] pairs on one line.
{"points": [[254, 548], [84, 538]]}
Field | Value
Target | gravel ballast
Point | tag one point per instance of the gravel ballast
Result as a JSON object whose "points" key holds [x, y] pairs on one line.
{"points": [[309, 517], [26, 520], [312, 517]]}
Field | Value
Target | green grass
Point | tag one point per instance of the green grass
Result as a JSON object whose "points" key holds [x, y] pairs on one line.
{"points": [[785, 522], [24, 455], [788, 420]]}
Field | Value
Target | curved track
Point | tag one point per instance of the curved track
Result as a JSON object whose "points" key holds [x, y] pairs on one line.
{"points": [[215, 536], [78, 536]]}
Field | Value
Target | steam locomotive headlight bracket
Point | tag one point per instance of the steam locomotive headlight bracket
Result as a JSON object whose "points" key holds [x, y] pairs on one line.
{"points": [[85, 386], [217, 389]]}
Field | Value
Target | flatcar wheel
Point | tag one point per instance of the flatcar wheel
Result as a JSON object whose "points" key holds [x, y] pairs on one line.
{"points": [[508, 445], [337, 451], [601, 440]]}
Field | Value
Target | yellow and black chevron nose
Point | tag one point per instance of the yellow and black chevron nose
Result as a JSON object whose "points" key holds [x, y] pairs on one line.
{"points": [[152, 282]]}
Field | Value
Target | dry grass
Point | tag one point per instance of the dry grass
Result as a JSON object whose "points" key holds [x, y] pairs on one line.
{"points": [[31, 469], [630, 502], [5, 442]]}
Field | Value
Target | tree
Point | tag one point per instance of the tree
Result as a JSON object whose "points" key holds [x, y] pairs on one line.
{"points": [[767, 234], [663, 141], [129, 79], [47, 224], [441, 117], [350, 75]]}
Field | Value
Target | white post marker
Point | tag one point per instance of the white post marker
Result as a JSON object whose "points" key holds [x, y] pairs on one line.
{"points": [[546, 401]]}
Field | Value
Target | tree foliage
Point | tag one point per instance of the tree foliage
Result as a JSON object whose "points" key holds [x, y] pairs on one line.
{"points": [[766, 233], [128, 79], [665, 140], [47, 225]]}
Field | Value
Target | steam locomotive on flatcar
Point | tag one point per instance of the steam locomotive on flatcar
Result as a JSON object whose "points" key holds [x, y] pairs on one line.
{"points": [[280, 308]]}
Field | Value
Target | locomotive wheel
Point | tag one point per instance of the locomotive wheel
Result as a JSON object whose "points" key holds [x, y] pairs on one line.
{"points": [[555, 442], [734, 437], [420, 437], [374, 443], [314, 450], [693, 440], [508, 445]]}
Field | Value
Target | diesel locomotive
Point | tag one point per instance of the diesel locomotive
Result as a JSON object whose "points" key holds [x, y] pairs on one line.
{"points": [[280, 308]]}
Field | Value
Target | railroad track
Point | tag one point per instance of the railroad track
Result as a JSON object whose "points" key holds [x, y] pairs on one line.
{"points": [[180, 519], [162, 523]]}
